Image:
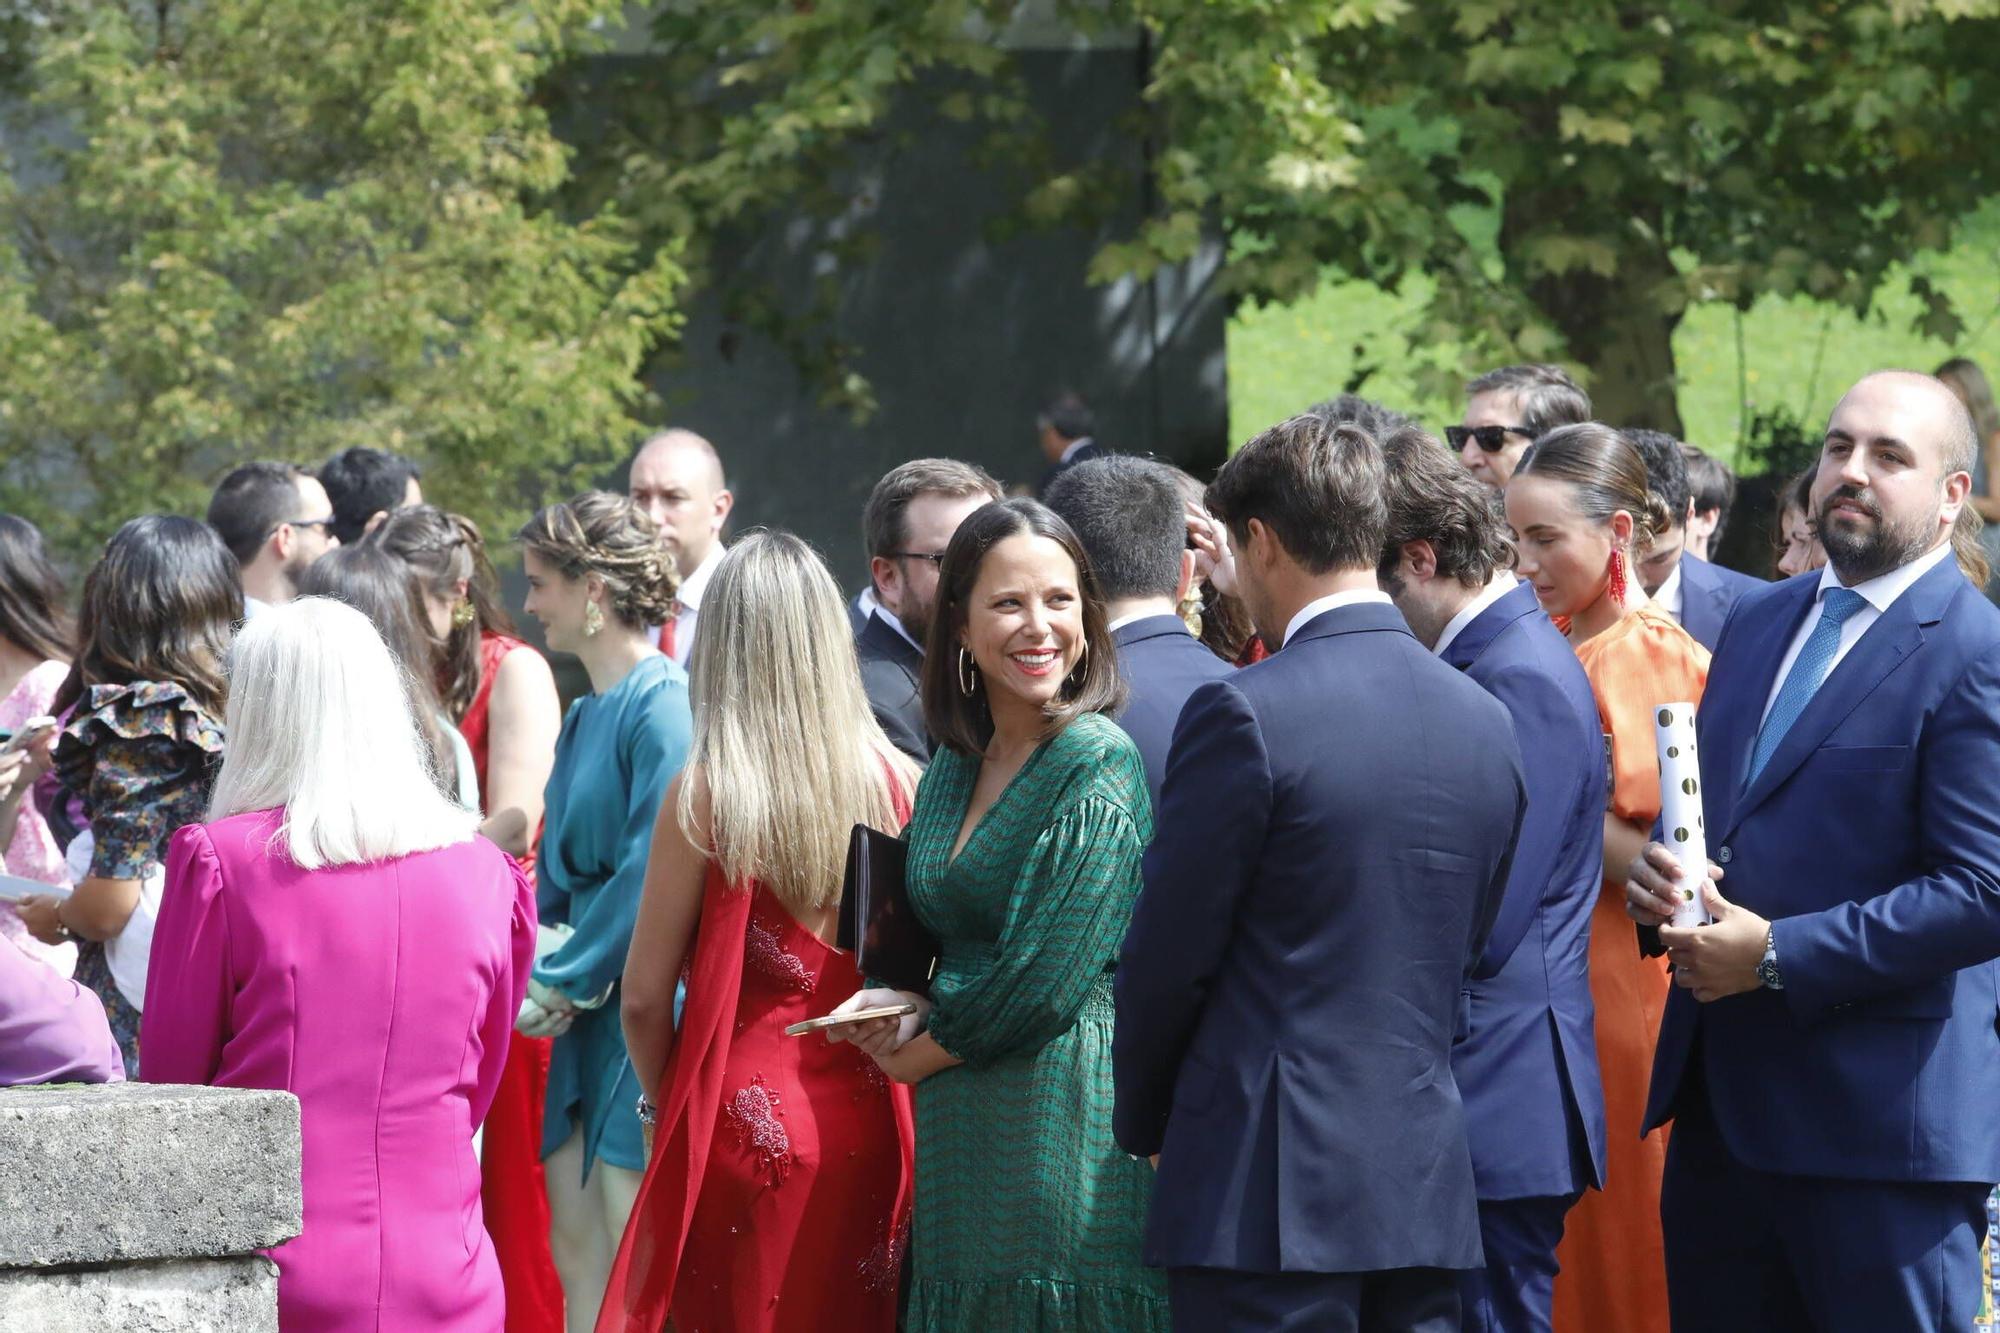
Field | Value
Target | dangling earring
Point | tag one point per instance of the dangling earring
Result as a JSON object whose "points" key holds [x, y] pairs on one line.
{"points": [[593, 620], [968, 673], [1190, 611], [463, 615], [1617, 577]]}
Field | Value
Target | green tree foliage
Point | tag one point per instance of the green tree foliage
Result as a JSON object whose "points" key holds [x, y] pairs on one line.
{"points": [[1571, 176], [275, 228]]}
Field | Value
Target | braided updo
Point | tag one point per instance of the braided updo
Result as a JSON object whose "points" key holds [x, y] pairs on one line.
{"points": [[609, 536]]}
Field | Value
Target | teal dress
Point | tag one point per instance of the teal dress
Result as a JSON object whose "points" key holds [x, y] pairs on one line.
{"points": [[1027, 1214], [614, 759]]}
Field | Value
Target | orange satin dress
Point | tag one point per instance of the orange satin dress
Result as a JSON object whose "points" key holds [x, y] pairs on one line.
{"points": [[1613, 1259]]}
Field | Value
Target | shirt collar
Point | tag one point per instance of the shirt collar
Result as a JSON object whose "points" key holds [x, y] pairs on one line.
{"points": [[888, 617], [1319, 606], [1497, 587], [1138, 616], [1074, 445], [689, 595], [1669, 595], [1882, 591]]}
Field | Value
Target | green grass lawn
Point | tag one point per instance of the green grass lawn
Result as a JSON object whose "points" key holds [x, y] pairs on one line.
{"points": [[1797, 354]]}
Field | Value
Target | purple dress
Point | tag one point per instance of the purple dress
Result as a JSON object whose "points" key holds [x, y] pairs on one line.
{"points": [[382, 996]]}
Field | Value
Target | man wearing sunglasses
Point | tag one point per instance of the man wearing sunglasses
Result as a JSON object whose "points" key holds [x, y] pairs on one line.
{"points": [[1508, 409], [276, 520]]}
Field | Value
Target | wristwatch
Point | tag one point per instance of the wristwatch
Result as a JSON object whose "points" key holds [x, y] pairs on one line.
{"points": [[1767, 967]]}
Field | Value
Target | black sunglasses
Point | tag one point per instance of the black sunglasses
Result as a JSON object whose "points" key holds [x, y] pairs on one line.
{"points": [[1491, 438], [935, 557]]}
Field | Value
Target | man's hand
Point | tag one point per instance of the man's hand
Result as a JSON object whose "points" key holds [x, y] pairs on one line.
{"points": [[1654, 889], [1720, 958]]}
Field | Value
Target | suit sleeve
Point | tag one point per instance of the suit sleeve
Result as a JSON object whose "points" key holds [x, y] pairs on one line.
{"points": [[1545, 729], [594, 957], [496, 1029], [1215, 806], [188, 983], [1941, 921], [895, 720]]}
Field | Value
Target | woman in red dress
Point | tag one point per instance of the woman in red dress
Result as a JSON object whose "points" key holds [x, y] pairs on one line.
{"points": [[778, 1188], [502, 696]]}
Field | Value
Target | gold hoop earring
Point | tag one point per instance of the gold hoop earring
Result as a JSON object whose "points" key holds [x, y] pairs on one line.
{"points": [[593, 620], [463, 615], [968, 673]]}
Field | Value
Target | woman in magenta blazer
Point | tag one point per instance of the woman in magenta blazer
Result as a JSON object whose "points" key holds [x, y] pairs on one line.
{"points": [[338, 931]]}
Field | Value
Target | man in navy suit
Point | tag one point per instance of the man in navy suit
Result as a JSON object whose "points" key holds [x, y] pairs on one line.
{"points": [[1829, 1055], [1334, 836], [1130, 517], [1691, 590], [1527, 1066], [911, 515], [1063, 429]]}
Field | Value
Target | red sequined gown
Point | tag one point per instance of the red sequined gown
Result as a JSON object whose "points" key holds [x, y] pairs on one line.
{"points": [[777, 1199], [513, 1194]]}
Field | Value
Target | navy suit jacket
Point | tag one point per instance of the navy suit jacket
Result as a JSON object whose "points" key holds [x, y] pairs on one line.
{"points": [[1083, 455], [892, 673], [1333, 840], [1528, 1065], [1162, 664], [1707, 594], [1871, 841]]}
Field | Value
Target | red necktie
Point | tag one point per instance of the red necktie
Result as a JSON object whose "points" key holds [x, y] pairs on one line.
{"points": [[668, 630]]}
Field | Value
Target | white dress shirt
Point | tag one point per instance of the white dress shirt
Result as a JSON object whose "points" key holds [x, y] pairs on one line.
{"points": [[1668, 598], [1319, 606], [1499, 586], [689, 598], [1880, 593], [1070, 451]]}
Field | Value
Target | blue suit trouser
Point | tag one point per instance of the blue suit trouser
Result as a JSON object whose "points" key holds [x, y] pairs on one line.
{"points": [[1516, 1290], [1757, 1252], [1397, 1300]]}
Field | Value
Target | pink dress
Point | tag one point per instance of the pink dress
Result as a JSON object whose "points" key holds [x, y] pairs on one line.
{"points": [[382, 996], [33, 853]]}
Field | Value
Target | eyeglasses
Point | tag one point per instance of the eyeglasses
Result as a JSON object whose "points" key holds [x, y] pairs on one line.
{"points": [[325, 525], [1490, 438], [935, 557]]}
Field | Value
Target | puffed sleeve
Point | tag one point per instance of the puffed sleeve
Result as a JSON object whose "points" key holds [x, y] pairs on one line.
{"points": [[656, 746], [1071, 904], [497, 1028], [186, 1020]]}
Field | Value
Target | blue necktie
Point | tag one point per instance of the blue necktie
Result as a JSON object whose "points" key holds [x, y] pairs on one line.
{"points": [[1809, 668]]}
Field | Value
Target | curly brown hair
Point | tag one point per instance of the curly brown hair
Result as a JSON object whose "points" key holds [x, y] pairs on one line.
{"points": [[441, 549], [609, 536]]}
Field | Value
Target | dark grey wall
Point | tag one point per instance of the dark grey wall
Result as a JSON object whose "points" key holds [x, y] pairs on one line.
{"points": [[962, 337]]}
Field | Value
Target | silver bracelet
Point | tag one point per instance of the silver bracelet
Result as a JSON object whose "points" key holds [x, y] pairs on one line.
{"points": [[649, 1114]]}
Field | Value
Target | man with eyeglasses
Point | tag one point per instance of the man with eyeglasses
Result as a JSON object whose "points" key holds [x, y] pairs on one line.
{"points": [[276, 520], [1507, 410], [911, 516]]}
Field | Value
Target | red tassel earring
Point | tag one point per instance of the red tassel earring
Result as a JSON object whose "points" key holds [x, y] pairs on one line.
{"points": [[1617, 577]]}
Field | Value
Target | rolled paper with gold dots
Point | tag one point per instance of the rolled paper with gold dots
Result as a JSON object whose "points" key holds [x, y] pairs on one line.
{"points": [[1680, 807]]}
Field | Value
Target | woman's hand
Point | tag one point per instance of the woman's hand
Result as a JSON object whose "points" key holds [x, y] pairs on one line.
{"points": [[880, 1036], [38, 913], [1214, 562], [915, 1060]]}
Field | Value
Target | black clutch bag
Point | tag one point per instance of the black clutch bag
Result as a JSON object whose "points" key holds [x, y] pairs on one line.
{"points": [[877, 923]]}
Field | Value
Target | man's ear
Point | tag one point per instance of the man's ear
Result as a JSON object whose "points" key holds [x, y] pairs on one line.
{"points": [[1421, 557]]}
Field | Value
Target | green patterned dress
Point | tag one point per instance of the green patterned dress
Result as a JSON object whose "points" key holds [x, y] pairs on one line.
{"points": [[1027, 1214]]}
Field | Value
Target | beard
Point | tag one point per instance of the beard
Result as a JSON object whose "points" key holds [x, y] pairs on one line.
{"points": [[916, 620], [1862, 552]]}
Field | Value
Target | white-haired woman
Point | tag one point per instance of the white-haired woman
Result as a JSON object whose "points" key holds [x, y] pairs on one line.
{"points": [[337, 930], [777, 1192]]}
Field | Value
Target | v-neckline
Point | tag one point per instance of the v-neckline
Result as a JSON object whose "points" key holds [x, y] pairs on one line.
{"points": [[953, 849]]}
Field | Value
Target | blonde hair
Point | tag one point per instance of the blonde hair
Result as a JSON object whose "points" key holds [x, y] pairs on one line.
{"points": [[320, 722], [791, 756]]}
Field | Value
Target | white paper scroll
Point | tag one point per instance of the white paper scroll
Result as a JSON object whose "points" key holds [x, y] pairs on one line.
{"points": [[1680, 807]]}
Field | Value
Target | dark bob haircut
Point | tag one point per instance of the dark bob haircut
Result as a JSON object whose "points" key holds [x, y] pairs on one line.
{"points": [[964, 722], [31, 593]]}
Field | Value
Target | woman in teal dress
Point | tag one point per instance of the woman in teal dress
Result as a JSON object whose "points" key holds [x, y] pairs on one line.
{"points": [[1024, 860], [597, 577]]}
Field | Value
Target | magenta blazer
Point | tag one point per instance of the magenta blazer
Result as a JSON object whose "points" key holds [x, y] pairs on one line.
{"points": [[383, 997]]}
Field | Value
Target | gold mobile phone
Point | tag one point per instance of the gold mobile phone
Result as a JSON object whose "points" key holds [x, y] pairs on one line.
{"points": [[843, 1020]]}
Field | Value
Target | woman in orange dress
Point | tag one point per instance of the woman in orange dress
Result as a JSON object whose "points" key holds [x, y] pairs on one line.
{"points": [[1580, 510]]}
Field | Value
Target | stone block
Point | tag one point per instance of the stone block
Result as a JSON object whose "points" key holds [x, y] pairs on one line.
{"points": [[168, 1296], [134, 1171]]}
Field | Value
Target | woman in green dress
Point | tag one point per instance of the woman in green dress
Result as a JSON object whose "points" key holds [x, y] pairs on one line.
{"points": [[1025, 847]]}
